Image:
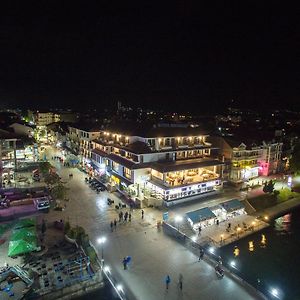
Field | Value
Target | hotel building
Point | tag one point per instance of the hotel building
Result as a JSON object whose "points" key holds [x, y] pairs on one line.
{"points": [[157, 164]]}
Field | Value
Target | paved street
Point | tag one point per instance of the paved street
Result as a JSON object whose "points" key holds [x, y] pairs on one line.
{"points": [[153, 254]]}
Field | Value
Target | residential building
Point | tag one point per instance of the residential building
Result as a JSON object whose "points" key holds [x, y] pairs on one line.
{"points": [[246, 159], [42, 119], [269, 162], [22, 129], [156, 164], [79, 139]]}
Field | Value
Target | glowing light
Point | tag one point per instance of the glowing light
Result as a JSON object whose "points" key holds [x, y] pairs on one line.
{"points": [[119, 287], [253, 223], [274, 292], [106, 269], [211, 249], [232, 263], [266, 218], [178, 219], [194, 238], [251, 246], [101, 240], [236, 251]]}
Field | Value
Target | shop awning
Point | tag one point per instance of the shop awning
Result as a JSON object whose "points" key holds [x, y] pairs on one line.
{"points": [[23, 233], [21, 247], [200, 215]]}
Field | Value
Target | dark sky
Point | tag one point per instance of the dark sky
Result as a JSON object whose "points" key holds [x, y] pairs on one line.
{"points": [[181, 56]]}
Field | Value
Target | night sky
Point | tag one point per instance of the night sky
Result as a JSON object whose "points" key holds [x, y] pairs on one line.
{"points": [[176, 57]]}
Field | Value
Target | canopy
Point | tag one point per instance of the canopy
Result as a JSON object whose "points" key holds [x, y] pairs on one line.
{"points": [[25, 223], [20, 247], [233, 205], [23, 233], [200, 215]]}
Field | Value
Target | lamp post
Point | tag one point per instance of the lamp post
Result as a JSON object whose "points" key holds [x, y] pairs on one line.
{"points": [[101, 241]]}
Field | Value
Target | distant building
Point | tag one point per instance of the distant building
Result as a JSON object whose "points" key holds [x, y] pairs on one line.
{"points": [[42, 119], [22, 129]]}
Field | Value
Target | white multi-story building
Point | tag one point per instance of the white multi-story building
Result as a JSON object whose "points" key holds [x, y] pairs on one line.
{"points": [[159, 164], [42, 119], [79, 140]]}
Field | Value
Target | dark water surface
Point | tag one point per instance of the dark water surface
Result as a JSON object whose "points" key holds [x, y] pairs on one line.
{"points": [[105, 293], [269, 259]]}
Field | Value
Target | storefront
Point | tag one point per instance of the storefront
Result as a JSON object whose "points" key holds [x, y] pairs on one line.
{"points": [[202, 218], [169, 194]]}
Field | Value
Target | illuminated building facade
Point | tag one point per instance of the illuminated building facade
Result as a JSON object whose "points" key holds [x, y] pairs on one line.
{"points": [[160, 164]]}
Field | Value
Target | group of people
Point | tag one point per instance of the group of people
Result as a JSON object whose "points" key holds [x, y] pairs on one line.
{"points": [[180, 281]]}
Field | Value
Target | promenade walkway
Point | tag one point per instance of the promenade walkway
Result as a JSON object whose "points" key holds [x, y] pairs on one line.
{"points": [[154, 255]]}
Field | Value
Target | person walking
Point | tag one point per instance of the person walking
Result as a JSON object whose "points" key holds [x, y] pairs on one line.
{"points": [[120, 216], [199, 230], [201, 254], [115, 224], [129, 217], [126, 216], [125, 263], [142, 214], [180, 281], [112, 226], [167, 281]]}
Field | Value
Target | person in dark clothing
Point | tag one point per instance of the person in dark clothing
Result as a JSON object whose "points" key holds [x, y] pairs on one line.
{"points": [[126, 216], [167, 280], [115, 224], [142, 214], [125, 263], [129, 217], [201, 254], [112, 226], [180, 281]]}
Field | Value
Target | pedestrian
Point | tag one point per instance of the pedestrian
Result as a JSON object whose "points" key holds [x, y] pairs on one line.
{"points": [[115, 224], [217, 221], [199, 230], [129, 217], [120, 216], [126, 216], [142, 214], [125, 263], [112, 226], [180, 281], [220, 260], [167, 280], [201, 254]]}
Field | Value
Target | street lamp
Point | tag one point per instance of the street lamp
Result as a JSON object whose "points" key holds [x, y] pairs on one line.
{"points": [[178, 220], [101, 241]]}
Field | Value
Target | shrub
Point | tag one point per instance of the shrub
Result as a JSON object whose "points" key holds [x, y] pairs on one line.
{"points": [[67, 227]]}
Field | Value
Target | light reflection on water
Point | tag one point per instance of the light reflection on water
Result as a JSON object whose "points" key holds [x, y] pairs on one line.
{"points": [[282, 225], [268, 258]]}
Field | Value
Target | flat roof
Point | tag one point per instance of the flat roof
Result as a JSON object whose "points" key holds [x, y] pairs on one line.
{"points": [[168, 166], [233, 205], [200, 215]]}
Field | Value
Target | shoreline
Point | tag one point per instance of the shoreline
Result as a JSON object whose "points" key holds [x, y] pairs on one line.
{"points": [[279, 209]]}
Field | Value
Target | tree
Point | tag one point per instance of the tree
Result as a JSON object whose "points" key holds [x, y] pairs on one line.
{"points": [[269, 187], [59, 191], [295, 159], [45, 167], [51, 179]]}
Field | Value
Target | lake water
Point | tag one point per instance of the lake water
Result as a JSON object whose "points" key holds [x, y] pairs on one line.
{"points": [[105, 293], [269, 259]]}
